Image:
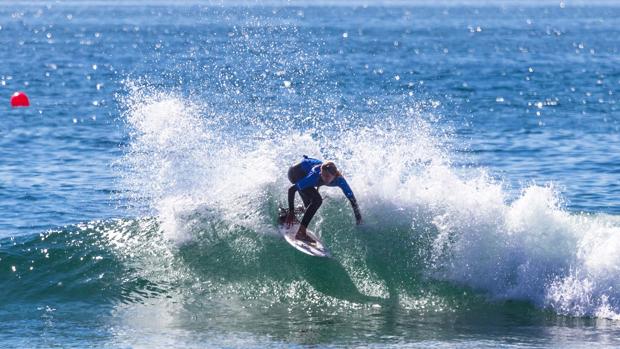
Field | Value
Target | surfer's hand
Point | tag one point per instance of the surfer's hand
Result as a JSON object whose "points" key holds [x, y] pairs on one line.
{"points": [[359, 221], [290, 219]]}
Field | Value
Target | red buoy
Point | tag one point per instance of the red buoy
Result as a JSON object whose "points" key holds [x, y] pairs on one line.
{"points": [[19, 99]]}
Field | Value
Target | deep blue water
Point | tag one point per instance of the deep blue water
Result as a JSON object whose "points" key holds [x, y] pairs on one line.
{"points": [[138, 192]]}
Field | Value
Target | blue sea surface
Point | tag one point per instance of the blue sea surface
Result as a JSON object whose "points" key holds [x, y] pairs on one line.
{"points": [[139, 191]]}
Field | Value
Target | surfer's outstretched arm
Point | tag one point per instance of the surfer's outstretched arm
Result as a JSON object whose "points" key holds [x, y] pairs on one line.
{"points": [[356, 210], [344, 186]]}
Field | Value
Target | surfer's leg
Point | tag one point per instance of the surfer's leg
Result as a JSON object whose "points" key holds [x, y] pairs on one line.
{"points": [[305, 198], [295, 174], [314, 202]]}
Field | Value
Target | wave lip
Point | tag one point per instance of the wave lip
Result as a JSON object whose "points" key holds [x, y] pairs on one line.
{"points": [[532, 249]]}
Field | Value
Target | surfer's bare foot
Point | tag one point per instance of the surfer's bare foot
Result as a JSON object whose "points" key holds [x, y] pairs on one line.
{"points": [[307, 239], [302, 236]]}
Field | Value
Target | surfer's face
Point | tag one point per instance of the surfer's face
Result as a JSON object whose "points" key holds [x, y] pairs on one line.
{"points": [[327, 177]]}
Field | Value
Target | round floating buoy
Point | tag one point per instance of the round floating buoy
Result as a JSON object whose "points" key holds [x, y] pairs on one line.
{"points": [[19, 99]]}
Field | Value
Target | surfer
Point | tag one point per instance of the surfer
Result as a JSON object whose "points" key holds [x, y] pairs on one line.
{"points": [[306, 177]]}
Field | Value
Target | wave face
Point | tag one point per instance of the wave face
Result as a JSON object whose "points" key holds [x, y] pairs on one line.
{"points": [[429, 225], [97, 262]]}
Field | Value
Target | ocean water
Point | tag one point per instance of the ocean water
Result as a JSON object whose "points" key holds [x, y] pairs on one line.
{"points": [[139, 191]]}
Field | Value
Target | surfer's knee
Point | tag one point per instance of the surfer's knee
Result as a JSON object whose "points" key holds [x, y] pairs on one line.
{"points": [[318, 199], [315, 197]]}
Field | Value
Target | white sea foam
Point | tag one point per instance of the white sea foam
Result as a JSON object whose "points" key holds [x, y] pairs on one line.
{"points": [[530, 249], [190, 169]]}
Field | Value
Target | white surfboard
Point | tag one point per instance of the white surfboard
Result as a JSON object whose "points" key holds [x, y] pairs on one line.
{"points": [[316, 249]]}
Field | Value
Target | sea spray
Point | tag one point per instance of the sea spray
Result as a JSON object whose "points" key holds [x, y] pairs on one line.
{"points": [[530, 249], [462, 225]]}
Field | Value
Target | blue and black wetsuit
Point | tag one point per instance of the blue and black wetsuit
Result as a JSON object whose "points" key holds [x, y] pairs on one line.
{"points": [[306, 178]]}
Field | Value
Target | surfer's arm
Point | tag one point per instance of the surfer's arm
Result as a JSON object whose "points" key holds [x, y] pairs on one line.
{"points": [[344, 186], [356, 210], [291, 198]]}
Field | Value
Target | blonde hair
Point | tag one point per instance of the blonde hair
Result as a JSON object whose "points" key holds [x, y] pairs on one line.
{"points": [[330, 167]]}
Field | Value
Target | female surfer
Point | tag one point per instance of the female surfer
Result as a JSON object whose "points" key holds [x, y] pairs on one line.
{"points": [[306, 177]]}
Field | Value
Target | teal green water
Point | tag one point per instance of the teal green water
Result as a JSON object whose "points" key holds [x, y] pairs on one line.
{"points": [[119, 284]]}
